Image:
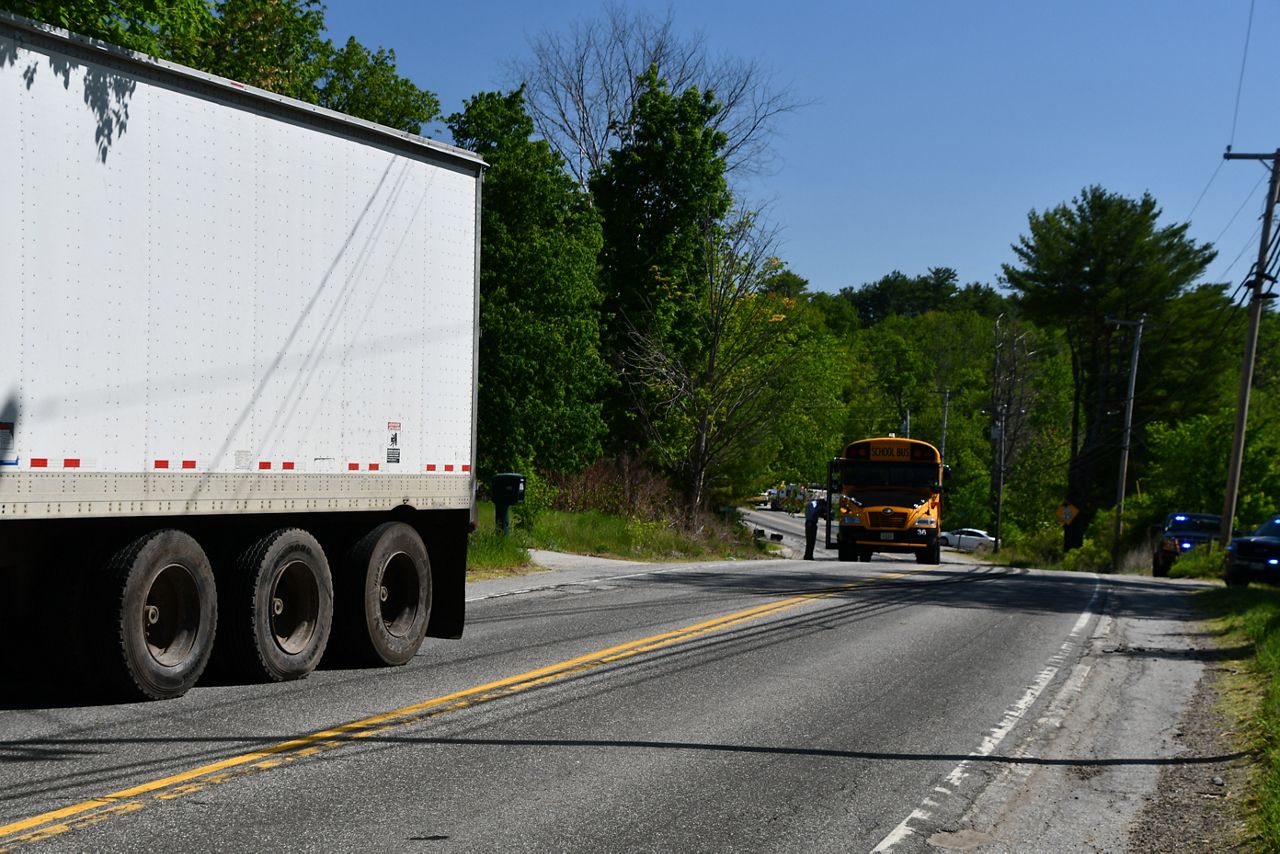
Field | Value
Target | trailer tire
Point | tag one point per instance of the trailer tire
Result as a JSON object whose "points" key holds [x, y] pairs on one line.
{"points": [[278, 609], [387, 595], [164, 617]]}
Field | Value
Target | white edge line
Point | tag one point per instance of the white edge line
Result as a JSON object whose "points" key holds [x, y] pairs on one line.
{"points": [[993, 739]]}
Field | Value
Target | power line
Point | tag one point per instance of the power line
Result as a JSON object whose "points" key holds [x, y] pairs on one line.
{"points": [[1240, 255], [1246, 201], [1235, 116], [1240, 84], [1205, 190]]}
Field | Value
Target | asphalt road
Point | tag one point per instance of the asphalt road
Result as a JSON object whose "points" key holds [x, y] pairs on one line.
{"points": [[777, 705]]}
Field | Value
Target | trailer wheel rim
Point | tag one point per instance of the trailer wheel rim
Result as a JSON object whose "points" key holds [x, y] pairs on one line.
{"points": [[399, 594], [171, 615], [295, 607]]}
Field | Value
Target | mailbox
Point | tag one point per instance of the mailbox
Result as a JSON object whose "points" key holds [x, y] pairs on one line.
{"points": [[507, 489]]}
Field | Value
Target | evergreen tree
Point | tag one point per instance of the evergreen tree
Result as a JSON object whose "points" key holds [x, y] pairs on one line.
{"points": [[1081, 267]]}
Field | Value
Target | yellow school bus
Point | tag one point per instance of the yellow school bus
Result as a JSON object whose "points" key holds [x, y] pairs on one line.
{"points": [[889, 494]]}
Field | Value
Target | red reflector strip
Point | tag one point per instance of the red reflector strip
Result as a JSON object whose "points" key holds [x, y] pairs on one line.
{"points": [[466, 468], [449, 467], [263, 466], [188, 464], [373, 466], [430, 466], [162, 464], [39, 463], [71, 463], [287, 466], [353, 467]]}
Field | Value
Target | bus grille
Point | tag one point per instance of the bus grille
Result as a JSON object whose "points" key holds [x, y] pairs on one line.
{"points": [[888, 520]]}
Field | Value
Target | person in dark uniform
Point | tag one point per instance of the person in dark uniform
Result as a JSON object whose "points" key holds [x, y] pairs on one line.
{"points": [[814, 510]]}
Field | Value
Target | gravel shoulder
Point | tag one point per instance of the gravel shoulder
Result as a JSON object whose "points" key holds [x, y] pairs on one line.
{"points": [[1197, 804]]}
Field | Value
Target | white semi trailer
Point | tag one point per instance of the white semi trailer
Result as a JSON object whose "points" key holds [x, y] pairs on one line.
{"points": [[238, 339]]}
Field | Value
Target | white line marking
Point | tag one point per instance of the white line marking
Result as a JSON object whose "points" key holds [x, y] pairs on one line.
{"points": [[1011, 717]]}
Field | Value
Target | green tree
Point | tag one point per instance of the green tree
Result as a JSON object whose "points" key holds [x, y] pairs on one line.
{"points": [[277, 45], [540, 368], [838, 314], [660, 196], [900, 294], [901, 371], [708, 409], [809, 429], [981, 299], [1081, 266], [281, 46], [364, 83], [164, 28], [786, 283]]}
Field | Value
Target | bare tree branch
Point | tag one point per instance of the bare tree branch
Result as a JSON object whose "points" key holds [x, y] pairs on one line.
{"points": [[701, 410], [581, 88]]}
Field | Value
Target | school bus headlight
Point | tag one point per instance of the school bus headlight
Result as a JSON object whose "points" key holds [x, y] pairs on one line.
{"points": [[926, 522]]}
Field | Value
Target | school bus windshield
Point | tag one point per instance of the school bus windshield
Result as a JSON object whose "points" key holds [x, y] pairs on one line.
{"points": [[861, 475]]}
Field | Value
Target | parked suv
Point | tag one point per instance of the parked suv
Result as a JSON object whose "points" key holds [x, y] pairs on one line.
{"points": [[1255, 556], [1182, 533]]}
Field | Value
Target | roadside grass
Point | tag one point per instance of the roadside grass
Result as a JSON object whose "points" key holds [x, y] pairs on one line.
{"points": [[1248, 618], [490, 554], [1201, 562]]}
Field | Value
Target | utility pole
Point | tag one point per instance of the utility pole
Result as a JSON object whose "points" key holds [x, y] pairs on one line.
{"points": [[1251, 341], [946, 399], [1124, 443], [1000, 418]]}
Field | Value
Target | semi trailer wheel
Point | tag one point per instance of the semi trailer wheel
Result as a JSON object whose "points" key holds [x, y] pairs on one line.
{"points": [[164, 617], [278, 609], [387, 596]]}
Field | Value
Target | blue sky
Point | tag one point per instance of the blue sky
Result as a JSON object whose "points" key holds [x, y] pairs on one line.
{"points": [[935, 127]]}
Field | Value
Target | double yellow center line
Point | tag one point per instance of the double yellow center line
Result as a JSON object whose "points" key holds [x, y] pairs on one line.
{"points": [[97, 810]]}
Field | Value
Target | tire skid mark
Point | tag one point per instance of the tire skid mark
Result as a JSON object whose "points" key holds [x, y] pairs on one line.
{"points": [[94, 811]]}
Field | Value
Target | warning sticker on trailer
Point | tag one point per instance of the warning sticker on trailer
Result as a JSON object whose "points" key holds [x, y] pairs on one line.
{"points": [[393, 442]]}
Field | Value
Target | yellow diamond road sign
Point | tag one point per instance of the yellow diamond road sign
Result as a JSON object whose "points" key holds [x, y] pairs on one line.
{"points": [[1066, 512]]}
